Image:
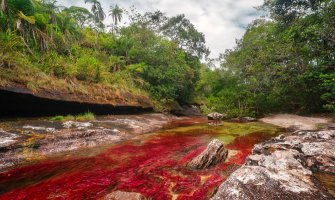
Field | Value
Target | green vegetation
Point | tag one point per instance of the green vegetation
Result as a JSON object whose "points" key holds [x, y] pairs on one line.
{"points": [[46, 45], [88, 116], [58, 118], [283, 64]]}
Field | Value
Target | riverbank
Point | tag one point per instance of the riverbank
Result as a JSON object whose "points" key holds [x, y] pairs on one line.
{"points": [[29, 140], [296, 165], [296, 122]]}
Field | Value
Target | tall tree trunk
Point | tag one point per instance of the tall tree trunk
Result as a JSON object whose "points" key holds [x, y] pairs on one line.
{"points": [[96, 39], [3, 5]]}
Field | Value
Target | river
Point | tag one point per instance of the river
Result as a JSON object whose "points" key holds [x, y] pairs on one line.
{"points": [[151, 161]]}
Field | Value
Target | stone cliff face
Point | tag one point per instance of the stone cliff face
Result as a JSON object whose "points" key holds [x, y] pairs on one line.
{"points": [[19, 100], [283, 168]]}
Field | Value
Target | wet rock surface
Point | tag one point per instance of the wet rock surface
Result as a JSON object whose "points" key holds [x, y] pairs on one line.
{"points": [[283, 168], [214, 153], [27, 140]]}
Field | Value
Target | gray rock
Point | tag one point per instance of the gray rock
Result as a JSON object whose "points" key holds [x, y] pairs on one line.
{"points": [[212, 155], [248, 119], [215, 116], [78, 125], [256, 182], [7, 139], [282, 168]]}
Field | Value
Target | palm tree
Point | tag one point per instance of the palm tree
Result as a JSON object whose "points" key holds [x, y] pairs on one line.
{"points": [[116, 13], [97, 11], [99, 16]]}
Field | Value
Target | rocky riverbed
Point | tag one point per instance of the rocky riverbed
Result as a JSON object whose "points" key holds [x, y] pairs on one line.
{"points": [[285, 167], [27, 140], [111, 157]]}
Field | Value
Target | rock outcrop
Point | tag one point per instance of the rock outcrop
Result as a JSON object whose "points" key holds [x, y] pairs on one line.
{"points": [[187, 110], [42, 137], [212, 155], [120, 195], [243, 119], [248, 119], [59, 100], [283, 167], [215, 116]]}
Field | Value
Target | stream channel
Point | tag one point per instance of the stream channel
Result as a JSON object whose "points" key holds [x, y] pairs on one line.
{"points": [[147, 154]]}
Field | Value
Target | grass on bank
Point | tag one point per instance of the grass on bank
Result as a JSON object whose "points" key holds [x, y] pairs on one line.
{"points": [[88, 116]]}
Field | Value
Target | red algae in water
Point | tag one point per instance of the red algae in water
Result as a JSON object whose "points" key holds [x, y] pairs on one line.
{"points": [[155, 169]]}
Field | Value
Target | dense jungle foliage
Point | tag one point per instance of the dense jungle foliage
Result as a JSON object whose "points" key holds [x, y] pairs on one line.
{"points": [[151, 53], [284, 62]]}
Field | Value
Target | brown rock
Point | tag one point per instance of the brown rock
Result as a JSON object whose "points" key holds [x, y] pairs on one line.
{"points": [[214, 154], [120, 195]]}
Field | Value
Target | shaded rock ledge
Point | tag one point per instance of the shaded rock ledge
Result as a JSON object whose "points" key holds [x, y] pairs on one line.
{"points": [[212, 155], [283, 167], [19, 101]]}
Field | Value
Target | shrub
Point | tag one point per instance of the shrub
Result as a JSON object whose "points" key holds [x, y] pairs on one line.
{"points": [[88, 116], [87, 68]]}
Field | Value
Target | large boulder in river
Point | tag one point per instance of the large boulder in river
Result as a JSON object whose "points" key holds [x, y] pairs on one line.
{"points": [[216, 116], [120, 195], [212, 155], [282, 168]]}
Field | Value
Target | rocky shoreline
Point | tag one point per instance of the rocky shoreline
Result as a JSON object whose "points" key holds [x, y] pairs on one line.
{"points": [[22, 141], [284, 168]]}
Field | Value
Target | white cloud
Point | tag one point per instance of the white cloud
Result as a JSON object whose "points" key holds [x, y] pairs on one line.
{"points": [[222, 21]]}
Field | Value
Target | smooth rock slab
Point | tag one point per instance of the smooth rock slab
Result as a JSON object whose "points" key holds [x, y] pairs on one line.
{"points": [[282, 168], [212, 155], [255, 182]]}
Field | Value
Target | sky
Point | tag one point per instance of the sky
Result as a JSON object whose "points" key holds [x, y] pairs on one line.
{"points": [[222, 21]]}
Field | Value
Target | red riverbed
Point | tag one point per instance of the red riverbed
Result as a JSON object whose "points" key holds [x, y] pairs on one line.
{"points": [[154, 167]]}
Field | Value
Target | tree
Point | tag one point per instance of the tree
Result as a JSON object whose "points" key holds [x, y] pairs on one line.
{"points": [[99, 16], [282, 64], [82, 16], [116, 13], [3, 6], [285, 11], [97, 11], [182, 31], [154, 20]]}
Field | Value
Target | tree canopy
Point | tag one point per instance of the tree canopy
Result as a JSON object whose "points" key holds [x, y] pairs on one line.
{"points": [[72, 43], [283, 64]]}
